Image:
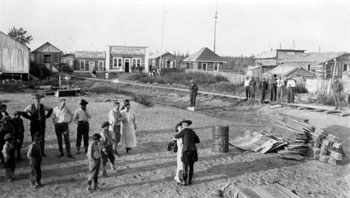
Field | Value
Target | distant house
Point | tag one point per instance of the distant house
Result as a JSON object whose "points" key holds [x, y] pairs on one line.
{"points": [[88, 61], [68, 60], [273, 58], [14, 57], [204, 59], [165, 60], [324, 64], [48, 55]]}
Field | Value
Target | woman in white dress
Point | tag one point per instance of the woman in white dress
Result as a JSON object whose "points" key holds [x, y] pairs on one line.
{"points": [[128, 127], [179, 166]]}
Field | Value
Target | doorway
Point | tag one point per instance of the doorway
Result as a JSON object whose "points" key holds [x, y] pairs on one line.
{"points": [[127, 64]]}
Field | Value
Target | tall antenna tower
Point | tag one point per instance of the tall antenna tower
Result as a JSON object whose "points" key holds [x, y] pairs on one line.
{"points": [[161, 44], [216, 18]]}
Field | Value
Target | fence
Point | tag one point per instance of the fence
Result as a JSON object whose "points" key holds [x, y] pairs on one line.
{"points": [[321, 86], [234, 78]]}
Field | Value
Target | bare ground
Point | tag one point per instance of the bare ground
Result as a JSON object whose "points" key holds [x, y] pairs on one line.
{"points": [[149, 170]]}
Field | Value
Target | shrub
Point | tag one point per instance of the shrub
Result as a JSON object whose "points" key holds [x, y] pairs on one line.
{"points": [[143, 99], [325, 99], [300, 89]]}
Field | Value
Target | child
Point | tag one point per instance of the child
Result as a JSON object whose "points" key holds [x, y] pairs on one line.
{"points": [[94, 158], [6, 128], [8, 152], [107, 148], [17, 123], [34, 155]]}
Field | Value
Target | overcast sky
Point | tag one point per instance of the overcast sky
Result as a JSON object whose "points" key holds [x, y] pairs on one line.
{"points": [[244, 26]]}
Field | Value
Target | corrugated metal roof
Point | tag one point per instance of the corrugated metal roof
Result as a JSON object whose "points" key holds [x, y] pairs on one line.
{"points": [[14, 39], [154, 56], [204, 54], [286, 70], [270, 54]]}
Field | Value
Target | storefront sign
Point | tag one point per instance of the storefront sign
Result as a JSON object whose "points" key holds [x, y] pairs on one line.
{"points": [[87, 54], [127, 50]]}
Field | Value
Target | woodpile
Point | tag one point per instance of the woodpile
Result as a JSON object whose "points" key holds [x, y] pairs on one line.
{"points": [[325, 147]]}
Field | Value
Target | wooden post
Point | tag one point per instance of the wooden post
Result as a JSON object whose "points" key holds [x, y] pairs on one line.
{"points": [[221, 137], [59, 81], [332, 79]]}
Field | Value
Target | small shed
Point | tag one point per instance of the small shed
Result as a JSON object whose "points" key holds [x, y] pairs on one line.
{"points": [[14, 56], [48, 55], [165, 60], [205, 60]]}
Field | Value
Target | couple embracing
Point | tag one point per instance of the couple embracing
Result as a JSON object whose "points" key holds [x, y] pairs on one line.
{"points": [[187, 155]]}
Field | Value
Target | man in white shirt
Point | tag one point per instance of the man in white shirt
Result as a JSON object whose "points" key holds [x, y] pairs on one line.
{"points": [[280, 87], [290, 90], [61, 118], [114, 119], [81, 118]]}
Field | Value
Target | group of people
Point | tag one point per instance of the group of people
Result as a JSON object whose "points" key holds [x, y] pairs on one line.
{"points": [[276, 87], [121, 127]]}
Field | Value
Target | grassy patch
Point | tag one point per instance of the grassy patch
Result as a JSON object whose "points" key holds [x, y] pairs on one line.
{"points": [[11, 87]]}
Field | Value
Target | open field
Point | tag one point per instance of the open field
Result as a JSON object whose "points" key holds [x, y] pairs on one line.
{"points": [[149, 169]]}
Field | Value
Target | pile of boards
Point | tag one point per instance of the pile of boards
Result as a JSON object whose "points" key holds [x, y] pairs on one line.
{"points": [[325, 147]]}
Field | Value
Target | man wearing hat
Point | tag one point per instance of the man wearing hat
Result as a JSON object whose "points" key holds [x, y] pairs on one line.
{"points": [[193, 93], [189, 150], [61, 118], [81, 118], [37, 119], [107, 148], [94, 159]]}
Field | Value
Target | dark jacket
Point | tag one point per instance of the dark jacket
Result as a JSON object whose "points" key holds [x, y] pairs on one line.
{"points": [[189, 138], [263, 86], [194, 88]]}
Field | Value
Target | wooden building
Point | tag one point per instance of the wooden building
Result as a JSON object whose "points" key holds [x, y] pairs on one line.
{"points": [[324, 65], [273, 58], [88, 61], [68, 60], [47, 55], [126, 59], [166, 60], [14, 57], [205, 60]]}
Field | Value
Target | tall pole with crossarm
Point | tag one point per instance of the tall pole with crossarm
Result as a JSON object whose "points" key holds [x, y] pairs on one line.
{"points": [[216, 17]]}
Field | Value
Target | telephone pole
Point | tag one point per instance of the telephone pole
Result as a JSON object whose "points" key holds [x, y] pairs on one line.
{"points": [[216, 17]]}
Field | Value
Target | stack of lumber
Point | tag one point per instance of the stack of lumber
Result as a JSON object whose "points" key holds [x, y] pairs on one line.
{"points": [[326, 147], [297, 146]]}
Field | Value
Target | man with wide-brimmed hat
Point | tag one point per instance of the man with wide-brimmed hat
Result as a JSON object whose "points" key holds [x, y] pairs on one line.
{"points": [[61, 118], [81, 118], [189, 150], [37, 119]]}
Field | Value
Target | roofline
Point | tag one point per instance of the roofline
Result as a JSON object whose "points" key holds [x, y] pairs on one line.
{"points": [[290, 50], [126, 46], [45, 44], [15, 40]]}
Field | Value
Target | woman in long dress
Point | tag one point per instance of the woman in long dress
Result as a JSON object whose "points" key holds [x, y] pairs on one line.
{"points": [[128, 127], [179, 164]]}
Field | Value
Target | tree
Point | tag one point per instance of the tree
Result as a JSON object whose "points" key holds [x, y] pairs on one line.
{"points": [[20, 35]]}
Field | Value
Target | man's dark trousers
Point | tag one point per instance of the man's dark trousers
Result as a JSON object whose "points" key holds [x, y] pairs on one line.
{"points": [[35, 173], [62, 129], [193, 99], [83, 130], [188, 159]]}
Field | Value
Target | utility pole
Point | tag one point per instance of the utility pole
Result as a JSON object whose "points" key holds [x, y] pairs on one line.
{"points": [[216, 17], [161, 45]]}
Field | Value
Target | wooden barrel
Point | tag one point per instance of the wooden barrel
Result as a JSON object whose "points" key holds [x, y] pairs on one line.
{"points": [[220, 137]]}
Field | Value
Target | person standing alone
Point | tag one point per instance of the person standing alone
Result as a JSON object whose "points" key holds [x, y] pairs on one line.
{"points": [[81, 118], [337, 88], [61, 118], [193, 93]]}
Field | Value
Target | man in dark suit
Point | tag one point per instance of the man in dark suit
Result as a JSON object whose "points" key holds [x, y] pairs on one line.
{"points": [[189, 150]]}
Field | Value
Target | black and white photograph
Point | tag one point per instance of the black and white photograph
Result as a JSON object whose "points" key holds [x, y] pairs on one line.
{"points": [[175, 98]]}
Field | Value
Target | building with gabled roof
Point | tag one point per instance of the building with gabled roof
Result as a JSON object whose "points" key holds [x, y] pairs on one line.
{"points": [[205, 59], [288, 71], [47, 55], [164, 60]]}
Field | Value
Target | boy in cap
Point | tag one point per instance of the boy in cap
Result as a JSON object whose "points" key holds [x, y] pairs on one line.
{"points": [[17, 123], [35, 156], [107, 148], [94, 158], [81, 118], [8, 152]]}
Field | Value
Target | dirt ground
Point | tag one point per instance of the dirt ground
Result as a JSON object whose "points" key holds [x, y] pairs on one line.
{"points": [[148, 171]]}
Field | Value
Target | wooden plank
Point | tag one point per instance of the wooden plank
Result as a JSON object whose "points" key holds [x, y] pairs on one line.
{"points": [[333, 111], [345, 114]]}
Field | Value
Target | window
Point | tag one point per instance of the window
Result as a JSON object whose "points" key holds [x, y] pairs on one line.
{"points": [[47, 58], [82, 64], [138, 62], [133, 63], [100, 65], [308, 67], [204, 66], [117, 62], [216, 67], [200, 66], [345, 68]]}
